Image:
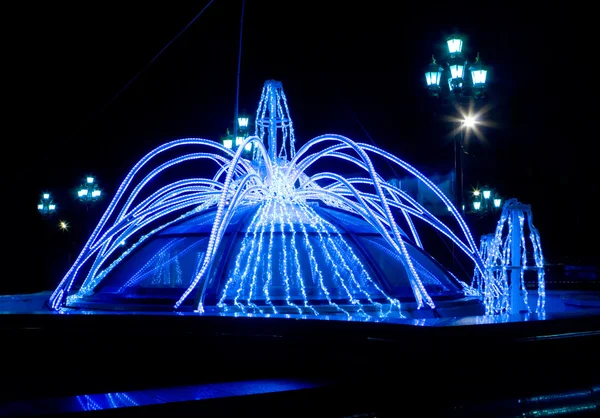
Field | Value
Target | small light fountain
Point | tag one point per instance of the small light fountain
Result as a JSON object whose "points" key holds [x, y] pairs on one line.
{"points": [[505, 253]]}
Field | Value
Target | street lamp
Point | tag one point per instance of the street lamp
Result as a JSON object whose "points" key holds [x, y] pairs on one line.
{"points": [[243, 123], [457, 65], [242, 130], [46, 206], [433, 75], [238, 142], [469, 121], [89, 192], [486, 201], [479, 77], [457, 71], [455, 44], [228, 140], [460, 91]]}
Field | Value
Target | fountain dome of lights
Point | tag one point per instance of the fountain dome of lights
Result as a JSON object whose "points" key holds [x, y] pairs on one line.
{"points": [[268, 234]]}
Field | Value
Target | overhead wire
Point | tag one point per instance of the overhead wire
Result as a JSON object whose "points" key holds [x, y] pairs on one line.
{"points": [[239, 66], [137, 75]]}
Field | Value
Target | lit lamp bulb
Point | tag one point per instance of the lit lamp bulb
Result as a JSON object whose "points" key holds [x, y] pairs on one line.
{"points": [[243, 122], [469, 121]]}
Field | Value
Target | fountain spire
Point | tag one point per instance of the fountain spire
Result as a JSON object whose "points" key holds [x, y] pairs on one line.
{"points": [[274, 123]]}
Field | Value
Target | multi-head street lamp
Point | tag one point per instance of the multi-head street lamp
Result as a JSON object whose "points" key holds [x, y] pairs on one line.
{"points": [[89, 192]]}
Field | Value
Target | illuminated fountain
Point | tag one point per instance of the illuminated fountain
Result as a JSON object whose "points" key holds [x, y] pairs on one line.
{"points": [[501, 285], [265, 235]]}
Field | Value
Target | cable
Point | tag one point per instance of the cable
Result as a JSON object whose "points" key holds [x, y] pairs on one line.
{"points": [[152, 60], [237, 89], [369, 136]]}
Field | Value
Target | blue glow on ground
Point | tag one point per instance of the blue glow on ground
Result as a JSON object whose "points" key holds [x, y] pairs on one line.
{"points": [[559, 304], [115, 400]]}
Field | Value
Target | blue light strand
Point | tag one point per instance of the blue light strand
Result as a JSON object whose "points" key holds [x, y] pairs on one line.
{"points": [[267, 284], [296, 263], [134, 225], [142, 271], [523, 249], [88, 287], [219, 225], [249, 237], [165, 261], [420, 212], [238, 197], [534, 236], [326, 242], [303, 165], [254, 256], [67, 281], [323, 225], [94, 279], [495, 289], [418, 288], [284, 253], [316, 271], [394, 239]]}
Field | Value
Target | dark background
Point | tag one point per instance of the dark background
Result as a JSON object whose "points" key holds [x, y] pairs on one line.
{"points": [[342, 64]]}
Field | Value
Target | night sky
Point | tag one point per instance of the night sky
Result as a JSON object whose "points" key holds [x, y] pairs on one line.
{"points": [[342, 64]]}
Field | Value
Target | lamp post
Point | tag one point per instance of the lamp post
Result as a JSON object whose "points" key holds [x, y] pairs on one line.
{"points": [[467, 123], [46, 206], [485, 201], [460, 91], [89, 192]]}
